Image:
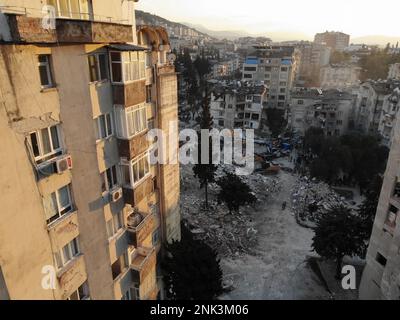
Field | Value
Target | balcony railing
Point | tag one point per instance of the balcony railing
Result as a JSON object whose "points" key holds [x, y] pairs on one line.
{"points": [[142, 259], [136, 195], [139, 233], [25, 29], [130, 149]]}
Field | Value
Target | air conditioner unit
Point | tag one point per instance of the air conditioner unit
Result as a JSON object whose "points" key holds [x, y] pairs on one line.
{"points": [[63, 164], [115, 194]]}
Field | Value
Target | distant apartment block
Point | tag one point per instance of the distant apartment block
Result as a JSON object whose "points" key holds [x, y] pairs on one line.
{"points": [[330, 110], [337, 41], [339, 76], [381, 276], [78, 191], [276, 67], [237, 105], [394, 71]]}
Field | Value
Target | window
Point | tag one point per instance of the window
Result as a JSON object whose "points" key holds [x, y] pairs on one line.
{"points": [[281, 97], [221, 123], [381, 259], [128, 66], [133, 293], [98, 67], [81, 294], [255, 116], [45, 143], [115, 224], [282, 90], [110, 179], [148, 94], [120, 265], [267, 75], [284, 69], [57, 204], [339, 122], [105, 127], [248, 76], [75, 9], [46, 78], [137, 119], [250, 68], [67, 253], [136, 170], [282, 83], [268, 69]]}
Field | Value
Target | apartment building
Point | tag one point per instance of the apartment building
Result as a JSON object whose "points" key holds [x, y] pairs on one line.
{"points": [[339, 76], [381, 276], [237, 105], [330, 110], [276, 67], [334, 40], [313, 57], [84, 211], [394, 71]]}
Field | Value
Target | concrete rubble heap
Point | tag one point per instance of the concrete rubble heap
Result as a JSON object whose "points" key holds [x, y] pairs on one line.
{"points": [[310, 199], [230, 234]]}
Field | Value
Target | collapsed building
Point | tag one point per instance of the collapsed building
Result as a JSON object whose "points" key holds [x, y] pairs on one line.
{"points": [[237, 104]]}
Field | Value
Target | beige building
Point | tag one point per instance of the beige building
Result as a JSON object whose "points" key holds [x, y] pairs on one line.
{"points": [[381, 276], [84, 212], [334, 40], [339, 76]]}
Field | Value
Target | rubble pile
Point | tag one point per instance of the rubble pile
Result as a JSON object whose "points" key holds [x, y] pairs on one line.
{"points": [[230, 234], [310, 199]]}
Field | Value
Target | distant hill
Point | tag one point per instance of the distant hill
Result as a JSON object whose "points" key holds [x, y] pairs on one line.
{"points": [[152, 19], [376, 39], [230, 35]]}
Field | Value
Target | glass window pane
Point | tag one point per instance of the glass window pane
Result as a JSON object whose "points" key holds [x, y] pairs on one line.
{"points": [[66, 254], [115, 56], [102, 127], [84, 9], [93, 68], [75, 12], [103, 66], [109, 179], [141, 168], [110, 228], [116, 72], [45, 141], [109, 125], [35, 144], [75, 247], [114, 174], [54, 137], [44, 79], [64, 8], [136, 172], [63, 197], [58, 260]]}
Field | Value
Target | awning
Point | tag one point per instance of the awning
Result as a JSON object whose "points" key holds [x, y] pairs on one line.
{"points": [[126, 47]]}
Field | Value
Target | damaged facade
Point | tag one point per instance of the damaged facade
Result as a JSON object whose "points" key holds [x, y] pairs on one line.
{"points": [[237, 105], [330, 110], [79, 193]]}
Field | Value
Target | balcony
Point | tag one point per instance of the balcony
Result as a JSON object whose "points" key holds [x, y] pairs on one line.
{"points": [[131, 148], [136, 195], [166, 69], [140, 227], [24, 29], [143, 261], [72, 276], [129, 94]]}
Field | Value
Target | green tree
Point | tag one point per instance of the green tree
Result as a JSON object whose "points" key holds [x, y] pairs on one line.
{"points": [[340, 57], [275, 121], [338, 233], [234, 192], [192, 270], [205, 172]]}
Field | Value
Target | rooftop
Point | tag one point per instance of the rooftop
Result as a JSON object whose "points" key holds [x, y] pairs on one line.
{"points": [[238, 88]]}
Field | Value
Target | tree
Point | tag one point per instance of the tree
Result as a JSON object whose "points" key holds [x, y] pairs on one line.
{"points": [[275, 121], [192, 270], [205, 172], [338, 233], [367, 210], [234, 192], [340, 57]]}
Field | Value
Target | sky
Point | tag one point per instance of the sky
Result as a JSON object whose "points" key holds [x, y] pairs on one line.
{"points": [[355, 17]]}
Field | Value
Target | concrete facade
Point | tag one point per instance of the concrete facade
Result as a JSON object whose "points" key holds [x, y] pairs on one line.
{"points": [[83, 206]]}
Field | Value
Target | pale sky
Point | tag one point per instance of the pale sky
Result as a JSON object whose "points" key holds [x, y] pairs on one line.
{"points": [[355, 17]]}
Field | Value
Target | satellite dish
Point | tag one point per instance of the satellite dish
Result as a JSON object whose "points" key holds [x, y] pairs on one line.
{"points": [[171, 57]]}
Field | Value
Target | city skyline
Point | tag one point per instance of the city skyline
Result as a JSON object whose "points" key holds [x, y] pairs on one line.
{"points": [[297, 22]]}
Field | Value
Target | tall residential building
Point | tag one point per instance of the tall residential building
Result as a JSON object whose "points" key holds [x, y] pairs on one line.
{"points": [[276, 67], [330, 110], [237, 105], [334, 40], [381, 276], [313, 57], [84, 212]]}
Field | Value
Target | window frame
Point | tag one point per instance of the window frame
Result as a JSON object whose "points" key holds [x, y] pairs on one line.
{"points": [[72, 15], [60, 209], [127, 66], [49, 72], [130, 164], [85, 296], [71, 246], [42, 157], [113, 172], [106, 128], [115, 230], [98, 69]]}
